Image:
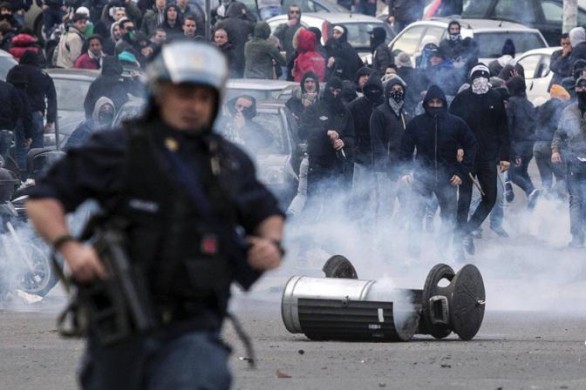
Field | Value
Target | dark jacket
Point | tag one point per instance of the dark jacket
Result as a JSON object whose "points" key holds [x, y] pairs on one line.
{"points": [[361, 110], [326, 114], [486, 116], [347, 59], [521, 117], [295, 102], [238, 29], [437, 139], [415, 81], [285, 33], [386, 131], [40, 85], [12, 109], [570, 136], [259, 54], [406, 10], [381, 54], [108, 84], [548, 117], [560, 66]]}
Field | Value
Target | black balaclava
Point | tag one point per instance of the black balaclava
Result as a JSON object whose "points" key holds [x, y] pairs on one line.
{"points": [[333, 102], [373, 89], [377, 36], [435, 92]]}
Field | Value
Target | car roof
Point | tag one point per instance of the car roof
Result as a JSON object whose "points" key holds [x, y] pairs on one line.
{"points": [[333, 17], [477, 25], [258, 84], [73, 74], [543, 50]]}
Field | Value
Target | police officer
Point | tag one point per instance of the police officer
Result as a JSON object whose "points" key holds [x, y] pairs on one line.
{"points": [[182, 190]]}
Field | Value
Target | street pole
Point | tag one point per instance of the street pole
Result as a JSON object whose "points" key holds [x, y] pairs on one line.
{"points": [[570, 17], [209, 20]]}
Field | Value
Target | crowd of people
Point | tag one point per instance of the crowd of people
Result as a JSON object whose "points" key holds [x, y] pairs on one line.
{"points": [[461, 126]]}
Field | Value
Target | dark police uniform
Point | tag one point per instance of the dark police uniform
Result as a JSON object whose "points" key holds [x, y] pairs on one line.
{"points": [[129, 171]]}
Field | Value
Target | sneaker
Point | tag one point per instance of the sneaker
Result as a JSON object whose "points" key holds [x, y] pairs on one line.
{"points": [[499, 231], [477, 233], [532, 198], [509, 194], [468, 243]]}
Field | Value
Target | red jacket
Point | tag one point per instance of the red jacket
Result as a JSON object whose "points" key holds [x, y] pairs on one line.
{"points": [[308, 59], [21, 43], [85, 62]]}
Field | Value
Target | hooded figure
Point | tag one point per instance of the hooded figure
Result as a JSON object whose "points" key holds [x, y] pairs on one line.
{"points": [[102, 118], [434, 138], [387, 125], [108, 84], [361, 110], [305, 96], [453, 45], [172, 27], [578, 42], [308, 60], [381, 54], [238, 28], [343, 60], [261, 56]]}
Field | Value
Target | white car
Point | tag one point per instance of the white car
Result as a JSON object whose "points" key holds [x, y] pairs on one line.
{"points": [[490, 36], [538, 74]]}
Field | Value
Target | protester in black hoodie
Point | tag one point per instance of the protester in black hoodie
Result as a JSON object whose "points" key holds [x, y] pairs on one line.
{"points": [[41, 95], [435, 138], [24, 126], [387, 125], [381, 54], [108, 84], [329, 130], [482, 108], [238, 28], [343, 61], [305, 96]]}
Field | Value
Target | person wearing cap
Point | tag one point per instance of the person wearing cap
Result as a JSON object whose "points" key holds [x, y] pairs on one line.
{"points": [[184, 211], [483, 110], [71, 44], [569, 146], [428, 162], [548, 117]]}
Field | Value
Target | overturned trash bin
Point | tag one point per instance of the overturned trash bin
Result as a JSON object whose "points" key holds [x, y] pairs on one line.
{"points": [[456, 306], [347, 310]]}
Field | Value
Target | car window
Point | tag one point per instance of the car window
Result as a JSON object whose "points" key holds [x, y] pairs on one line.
{"points": [[409, 40], [269, 136], [359, 34], [475, 8], [490, 44], [436, 32], [530, 65], [552, 11], [517, 10], [71, 93]]}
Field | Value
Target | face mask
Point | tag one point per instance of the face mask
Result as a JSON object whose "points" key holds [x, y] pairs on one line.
{"points": [[454, 37], [397, 96], [105, 119], [373, 94], [480, 85], [434, 111]]}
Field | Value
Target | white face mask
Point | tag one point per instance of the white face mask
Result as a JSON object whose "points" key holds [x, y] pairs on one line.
{"points": [[480, 85]]}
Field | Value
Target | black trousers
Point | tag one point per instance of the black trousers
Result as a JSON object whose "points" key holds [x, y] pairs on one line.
{"points": [[486, 173]]}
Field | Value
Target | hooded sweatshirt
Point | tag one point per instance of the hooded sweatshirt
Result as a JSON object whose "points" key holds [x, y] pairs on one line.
{"points": [[108, 84], [301, 99], [308, 60], [437, 136], [386, 131], [361, 110], [347, 59], [87, 127], [521, 117], [578, 41], [259, 54]]}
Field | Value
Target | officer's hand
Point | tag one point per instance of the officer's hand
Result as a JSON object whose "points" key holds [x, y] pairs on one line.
{"points": [[556, 157], [504, 166], [407, 179], [263, 254], [455, 180], [83, 262]]}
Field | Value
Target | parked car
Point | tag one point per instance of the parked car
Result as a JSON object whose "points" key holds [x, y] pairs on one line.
{"points": [[71, 86], [278, 164], [490, 36], [544, 15], [260, 89], [537, 71], [305, 5], [7, 61], [359, 28]]}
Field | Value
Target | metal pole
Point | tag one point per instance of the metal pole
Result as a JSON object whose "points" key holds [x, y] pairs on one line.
{"points": [[208, 20], [570, 16]]}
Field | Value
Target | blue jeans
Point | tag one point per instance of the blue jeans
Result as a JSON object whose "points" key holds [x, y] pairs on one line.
{"points": [[194, 360], [38, 139]]}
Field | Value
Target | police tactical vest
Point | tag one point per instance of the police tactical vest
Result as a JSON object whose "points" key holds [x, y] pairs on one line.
{"points": [[181, 255]]}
